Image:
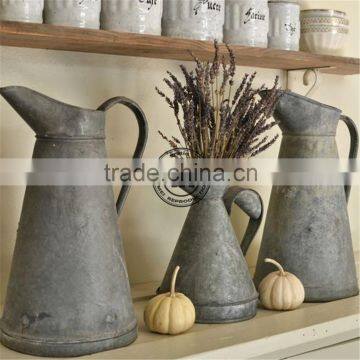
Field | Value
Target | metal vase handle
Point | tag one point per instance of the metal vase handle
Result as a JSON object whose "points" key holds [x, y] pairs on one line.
{"points": [[354, 145], [141, 143], [251, 203]]}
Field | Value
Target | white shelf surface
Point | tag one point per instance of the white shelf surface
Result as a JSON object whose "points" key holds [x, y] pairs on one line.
{"points": [[270, 334]]}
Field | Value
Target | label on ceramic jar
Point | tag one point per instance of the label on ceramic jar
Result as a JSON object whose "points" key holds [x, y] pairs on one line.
{"points": [[214, 6], [290, 28], [254, 15], [149, 3]]}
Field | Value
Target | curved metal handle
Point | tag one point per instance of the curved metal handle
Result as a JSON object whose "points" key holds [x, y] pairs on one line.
{"points": [[141, 143], [354, 145], [251, 203]]}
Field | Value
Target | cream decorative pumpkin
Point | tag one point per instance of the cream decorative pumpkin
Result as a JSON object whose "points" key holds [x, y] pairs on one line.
{"points": [[281, 290], [170, 313]]}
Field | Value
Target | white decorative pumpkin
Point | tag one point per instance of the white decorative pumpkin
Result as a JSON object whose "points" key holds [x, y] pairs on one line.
{"points": [[170, 313], [281, 290]]}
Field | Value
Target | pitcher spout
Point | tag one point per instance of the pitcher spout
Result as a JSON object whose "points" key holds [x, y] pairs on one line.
{"points": [[51, 118], [34, 108], [300, 115]]}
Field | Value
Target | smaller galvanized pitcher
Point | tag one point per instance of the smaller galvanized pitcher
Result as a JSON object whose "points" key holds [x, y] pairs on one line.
{"points": [[214, 273]]}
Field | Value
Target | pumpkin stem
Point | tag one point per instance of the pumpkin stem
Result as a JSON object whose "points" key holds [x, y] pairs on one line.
{"points": [[282, 272], [173, 281]]}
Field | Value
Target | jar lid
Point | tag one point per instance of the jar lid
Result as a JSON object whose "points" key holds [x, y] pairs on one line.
{"points": [[324, 12], [295, 2]]}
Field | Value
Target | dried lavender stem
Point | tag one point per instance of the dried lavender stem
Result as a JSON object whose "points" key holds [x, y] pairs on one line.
{"points": [[213, 124]]}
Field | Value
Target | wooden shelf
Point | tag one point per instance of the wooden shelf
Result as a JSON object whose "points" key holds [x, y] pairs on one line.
{"points": [[107, 42]]}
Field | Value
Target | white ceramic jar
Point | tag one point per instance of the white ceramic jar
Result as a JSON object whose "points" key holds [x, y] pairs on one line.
{"points": [[77, 13], [323, 31], [247, 22], [194, 19], [284, 28], [137, 16], [22, 10]]}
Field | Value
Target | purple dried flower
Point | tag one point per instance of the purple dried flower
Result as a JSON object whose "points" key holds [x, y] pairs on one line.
{"points": [[211, 121]]}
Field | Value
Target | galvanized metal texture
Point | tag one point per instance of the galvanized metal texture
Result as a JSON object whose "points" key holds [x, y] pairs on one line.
{"points": [[214, 273], [68, 292], [307, 227]]}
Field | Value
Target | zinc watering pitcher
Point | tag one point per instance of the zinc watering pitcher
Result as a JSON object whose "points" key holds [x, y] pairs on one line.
{"points": [[214, 273], [68, 292], [307, 227]]}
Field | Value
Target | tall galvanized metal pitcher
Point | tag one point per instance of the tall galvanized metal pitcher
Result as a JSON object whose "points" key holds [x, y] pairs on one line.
{"points": [[214, 273], [68, 292], [307, 227]]}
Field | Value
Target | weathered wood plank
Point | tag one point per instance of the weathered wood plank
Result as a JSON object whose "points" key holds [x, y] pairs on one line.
{"points": [[107, 42]]}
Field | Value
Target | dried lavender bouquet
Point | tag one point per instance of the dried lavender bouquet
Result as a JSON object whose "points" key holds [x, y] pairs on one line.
{"points": [[216, 119]]}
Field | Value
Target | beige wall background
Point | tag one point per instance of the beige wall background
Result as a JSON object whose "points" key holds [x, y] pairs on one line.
{"points": [[149, 227]]}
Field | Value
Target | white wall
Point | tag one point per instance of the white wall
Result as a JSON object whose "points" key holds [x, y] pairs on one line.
{"points": [[149, 227]]}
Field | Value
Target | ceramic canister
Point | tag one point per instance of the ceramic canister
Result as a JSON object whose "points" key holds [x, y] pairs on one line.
{"points": [[22, 10], [247, 22], [284, 28], [138, 16], [323, 31], [194, 19], [77, 13]]}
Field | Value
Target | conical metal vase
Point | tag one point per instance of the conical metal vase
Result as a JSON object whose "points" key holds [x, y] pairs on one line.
{"points": [[214, 273]]}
